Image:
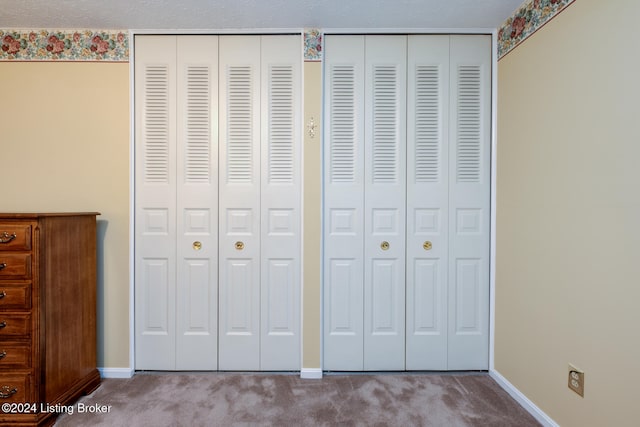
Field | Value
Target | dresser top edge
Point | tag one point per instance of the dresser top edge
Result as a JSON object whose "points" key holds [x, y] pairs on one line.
{"points": [[35, 215]]}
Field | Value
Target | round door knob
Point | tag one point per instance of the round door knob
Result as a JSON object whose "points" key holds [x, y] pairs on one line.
{"points": [[427, 245], [197, 246], [239, 246], [384, 245]]}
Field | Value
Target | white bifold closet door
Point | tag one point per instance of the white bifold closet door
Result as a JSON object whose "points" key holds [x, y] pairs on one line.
{"points": [[176, 203], [406, 202], [217, 253], [259, 203]]}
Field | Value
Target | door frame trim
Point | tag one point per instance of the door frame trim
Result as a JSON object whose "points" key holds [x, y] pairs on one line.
{"points": [[493, 165], [493, 32]]}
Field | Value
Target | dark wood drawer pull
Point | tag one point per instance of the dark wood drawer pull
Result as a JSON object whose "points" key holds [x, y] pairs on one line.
{"points": [[6, 237], [3, 265], [6, 392], [3, 324]]}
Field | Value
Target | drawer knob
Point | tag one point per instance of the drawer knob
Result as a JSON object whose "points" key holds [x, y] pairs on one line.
{"points": [[3, 265], [384, 245], [239, 246], [6, 237], [3, 324], [3, 354], [3, 294], [6, 392]]}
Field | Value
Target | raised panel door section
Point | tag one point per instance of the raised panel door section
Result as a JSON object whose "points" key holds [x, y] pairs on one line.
{"points": [[239, 203], [155, 212], [384, 202], [344, 204], [469, 189], [197, 203], [427, 201], [280, 180]]}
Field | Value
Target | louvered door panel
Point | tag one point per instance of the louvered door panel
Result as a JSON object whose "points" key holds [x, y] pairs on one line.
{"points": [[197, 203], [427, 202], [240, 98], [344, 203], [384, 202], [239, 207], [342, 153], [280, 203], [156, 128], [469, 189], [468, 123], [155, 213]]}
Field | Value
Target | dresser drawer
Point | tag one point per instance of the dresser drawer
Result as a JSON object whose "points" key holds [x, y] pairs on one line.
{"points": [[15, 296], [15, 356], [13, 325], [15, 388], [15, 266], [15, 237]]}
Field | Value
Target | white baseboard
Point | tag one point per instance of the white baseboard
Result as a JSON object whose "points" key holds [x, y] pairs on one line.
{"points": [[116, 372], [311, 373], [536, 412]]}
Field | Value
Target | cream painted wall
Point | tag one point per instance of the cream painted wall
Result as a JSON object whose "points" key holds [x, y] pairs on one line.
{"points": [[312, 226], [64, 146], [568, 209]]}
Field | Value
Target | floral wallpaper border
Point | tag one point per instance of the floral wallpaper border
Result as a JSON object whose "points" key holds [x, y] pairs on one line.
{"points": [[92, 45], [64, 45], [312, 44], [113, 45], [526, 20]]}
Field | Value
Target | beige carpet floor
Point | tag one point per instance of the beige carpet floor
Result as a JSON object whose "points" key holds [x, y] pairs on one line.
{"points": [[231, 399]]}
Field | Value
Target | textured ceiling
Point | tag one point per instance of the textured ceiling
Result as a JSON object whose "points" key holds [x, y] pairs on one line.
{"points": [[257, 14]]}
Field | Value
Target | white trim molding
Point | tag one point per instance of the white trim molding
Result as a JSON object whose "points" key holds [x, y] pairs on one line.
{"points": [[527, 404], [116, 372], [311, 373], [493, 197]]}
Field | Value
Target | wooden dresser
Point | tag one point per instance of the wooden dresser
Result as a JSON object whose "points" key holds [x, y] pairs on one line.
{"points": [[47, 314]]}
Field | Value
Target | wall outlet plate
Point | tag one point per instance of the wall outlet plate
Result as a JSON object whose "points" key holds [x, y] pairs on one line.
{"points": [[576, 380]]}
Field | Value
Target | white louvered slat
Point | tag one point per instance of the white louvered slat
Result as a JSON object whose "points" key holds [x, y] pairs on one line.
{"points": [[385, 111], [469, 137], [198, 125], [343, 118], [281, 126], [427, 124], [156, 124], [240, 130]]}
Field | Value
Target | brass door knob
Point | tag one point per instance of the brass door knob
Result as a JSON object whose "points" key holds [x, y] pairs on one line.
{"points": [[239, 246], [384, 245], [197, 246], [427, 245]]}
